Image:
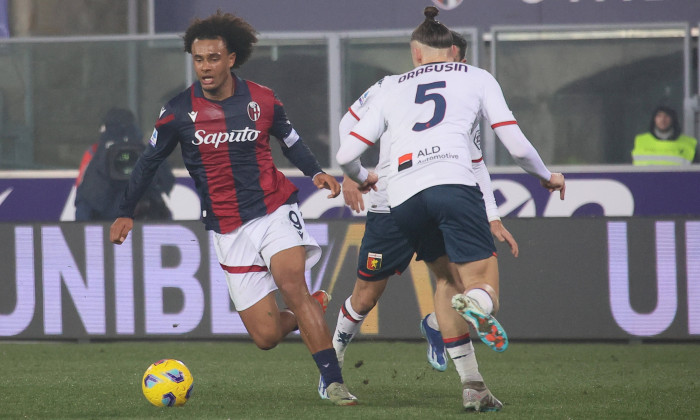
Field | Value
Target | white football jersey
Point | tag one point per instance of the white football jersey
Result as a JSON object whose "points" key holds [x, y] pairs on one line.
{"points": [[378, 199], [428, 114]]}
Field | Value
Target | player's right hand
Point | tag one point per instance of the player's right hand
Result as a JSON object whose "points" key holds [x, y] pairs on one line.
{"points": [[120, 229], [322, 180], [503, 235], [556, 182], [352, 195], [370, 183]]}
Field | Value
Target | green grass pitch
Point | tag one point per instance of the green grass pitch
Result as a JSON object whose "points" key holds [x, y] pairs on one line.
{"points": [[235, 380]]}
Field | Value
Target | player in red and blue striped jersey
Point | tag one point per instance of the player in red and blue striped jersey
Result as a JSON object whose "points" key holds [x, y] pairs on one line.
{"points": [[223, 125]]}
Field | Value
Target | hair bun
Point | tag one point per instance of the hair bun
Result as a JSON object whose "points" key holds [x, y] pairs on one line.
{"points": [[430, 12]]}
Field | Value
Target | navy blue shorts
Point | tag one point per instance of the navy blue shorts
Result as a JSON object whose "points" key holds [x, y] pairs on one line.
{"points": [[384, 250], [446, 219]]}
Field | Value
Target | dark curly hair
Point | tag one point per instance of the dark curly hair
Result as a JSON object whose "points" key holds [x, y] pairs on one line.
{"points": [[238, 35], [431, 32]]}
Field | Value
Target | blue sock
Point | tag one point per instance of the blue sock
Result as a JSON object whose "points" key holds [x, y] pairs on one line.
{"points": [[327, 363]]}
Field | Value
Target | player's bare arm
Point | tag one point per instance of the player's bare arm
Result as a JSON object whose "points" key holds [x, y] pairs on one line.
{"points": [[352, 195], [503, 235], [120, 229], [323, 180], [556, 183]]}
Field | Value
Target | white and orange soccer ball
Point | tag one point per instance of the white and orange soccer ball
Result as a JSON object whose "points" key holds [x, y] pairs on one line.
{"points": [[167, 383]]}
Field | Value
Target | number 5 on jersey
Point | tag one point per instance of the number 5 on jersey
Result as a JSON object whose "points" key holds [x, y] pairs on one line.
{"points": [[422, 96]]}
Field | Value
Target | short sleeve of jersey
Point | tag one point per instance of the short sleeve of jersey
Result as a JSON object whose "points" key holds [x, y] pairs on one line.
{"points": [[494, 103]]}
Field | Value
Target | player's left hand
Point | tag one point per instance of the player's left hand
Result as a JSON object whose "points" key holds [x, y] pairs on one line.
{"points": [[323, 180], [556, 182], [503, 235]]}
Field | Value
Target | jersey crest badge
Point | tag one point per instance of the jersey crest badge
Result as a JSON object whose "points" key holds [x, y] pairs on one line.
{"points": [[374, 261], [253, 111], [362, 99], [477, 139], [154, 138]]}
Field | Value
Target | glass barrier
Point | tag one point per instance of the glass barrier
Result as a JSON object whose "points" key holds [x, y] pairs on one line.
{"points": [[582, 94], [55, 94]]}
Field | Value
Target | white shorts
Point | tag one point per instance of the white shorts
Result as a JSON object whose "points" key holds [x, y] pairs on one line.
{"points": [[245, 253]]}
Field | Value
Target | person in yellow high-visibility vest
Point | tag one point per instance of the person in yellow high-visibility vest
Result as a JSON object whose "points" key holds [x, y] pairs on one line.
{"points": [[664, 144]]}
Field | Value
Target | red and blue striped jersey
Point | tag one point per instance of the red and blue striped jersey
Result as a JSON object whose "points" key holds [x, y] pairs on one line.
{"points": [[226, 149]]}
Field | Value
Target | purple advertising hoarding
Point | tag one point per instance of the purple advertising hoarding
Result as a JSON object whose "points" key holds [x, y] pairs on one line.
{"points": [[575, 278], [611, 194]]}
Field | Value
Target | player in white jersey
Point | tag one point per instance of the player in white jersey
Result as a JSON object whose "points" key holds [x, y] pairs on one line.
{"points": [[384, 242], [432, 187]]}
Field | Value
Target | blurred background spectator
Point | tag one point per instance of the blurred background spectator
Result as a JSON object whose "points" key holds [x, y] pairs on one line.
{"points": [[664, 144], [105, 169]]}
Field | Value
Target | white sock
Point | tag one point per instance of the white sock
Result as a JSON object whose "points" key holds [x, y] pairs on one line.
{"points": [[349, 323], [431, 320], [482, 298], [464, 358]]}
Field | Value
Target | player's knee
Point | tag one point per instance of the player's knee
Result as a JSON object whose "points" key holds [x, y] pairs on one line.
{"points": [[364, 303], [267, 342], [266, 339], [266, 346], [293, 289]]}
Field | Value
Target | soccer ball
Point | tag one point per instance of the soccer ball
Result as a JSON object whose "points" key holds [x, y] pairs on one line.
{"points": [[167, 383]]}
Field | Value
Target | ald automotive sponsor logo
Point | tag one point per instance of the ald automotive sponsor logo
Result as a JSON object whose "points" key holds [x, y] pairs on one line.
{"points": [[246, 134]]}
